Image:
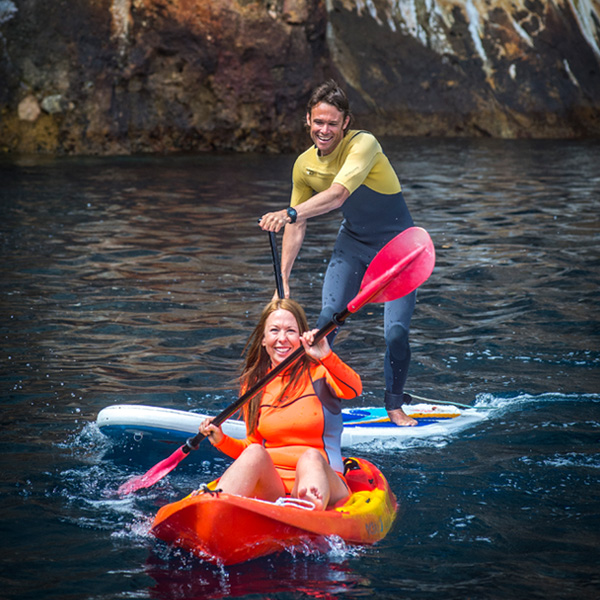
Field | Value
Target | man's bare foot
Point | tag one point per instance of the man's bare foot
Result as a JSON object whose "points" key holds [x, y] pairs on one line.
{"points": [[313, 495], [400, 418]]}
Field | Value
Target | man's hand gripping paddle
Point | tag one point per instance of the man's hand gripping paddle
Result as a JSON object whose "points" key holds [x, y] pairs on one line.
{"points": [[399, 268]]}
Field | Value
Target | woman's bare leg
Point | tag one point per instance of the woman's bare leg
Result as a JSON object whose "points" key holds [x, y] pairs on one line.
{"points": [[317, 481], [254, 475]]}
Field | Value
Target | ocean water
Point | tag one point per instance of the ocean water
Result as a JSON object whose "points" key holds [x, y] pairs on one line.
{"points": [[138, 280]]}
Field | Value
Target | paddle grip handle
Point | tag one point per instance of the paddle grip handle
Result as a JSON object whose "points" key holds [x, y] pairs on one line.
{"points": [[193, 443]]}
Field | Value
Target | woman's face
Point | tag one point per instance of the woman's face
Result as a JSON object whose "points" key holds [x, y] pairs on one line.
{"points": [[281, 336]]}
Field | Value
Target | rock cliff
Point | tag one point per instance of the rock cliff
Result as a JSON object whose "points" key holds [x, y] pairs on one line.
{"points": [[127, 76]]}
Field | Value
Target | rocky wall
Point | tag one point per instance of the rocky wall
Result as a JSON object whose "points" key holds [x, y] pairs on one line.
{"points": [[131, 76]]}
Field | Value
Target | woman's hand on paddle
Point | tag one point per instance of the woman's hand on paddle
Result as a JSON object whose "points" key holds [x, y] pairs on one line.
{"points": [[320, 350], [214, 434]]}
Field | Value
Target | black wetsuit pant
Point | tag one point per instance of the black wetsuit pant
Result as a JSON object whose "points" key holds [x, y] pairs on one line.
{"points": [[349, 261]]}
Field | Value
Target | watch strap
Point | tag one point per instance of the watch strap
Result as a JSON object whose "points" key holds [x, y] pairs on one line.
{"points": [[292, 214]]}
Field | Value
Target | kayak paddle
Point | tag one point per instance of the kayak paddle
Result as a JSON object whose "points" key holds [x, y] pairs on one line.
{"points": [[276, 265], [399, 268]]}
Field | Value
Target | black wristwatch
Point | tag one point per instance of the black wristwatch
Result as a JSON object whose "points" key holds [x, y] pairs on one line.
{"points": [[292, 214]]}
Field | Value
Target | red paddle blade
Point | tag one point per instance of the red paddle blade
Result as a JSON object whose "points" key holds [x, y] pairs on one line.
{"points": [[156, 473], [399, 268]]}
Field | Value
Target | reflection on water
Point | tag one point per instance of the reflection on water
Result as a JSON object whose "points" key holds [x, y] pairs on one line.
{"points": [[183, 577], [139, 280]]}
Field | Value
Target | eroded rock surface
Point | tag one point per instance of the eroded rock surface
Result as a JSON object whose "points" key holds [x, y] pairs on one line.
{"points": [[128, 76]]}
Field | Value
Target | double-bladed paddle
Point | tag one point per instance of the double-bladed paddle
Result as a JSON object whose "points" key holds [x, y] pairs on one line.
{"points": [[399, 268]]}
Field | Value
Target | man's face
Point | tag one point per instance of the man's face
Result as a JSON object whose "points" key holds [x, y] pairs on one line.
{"points": [[327, 126]]}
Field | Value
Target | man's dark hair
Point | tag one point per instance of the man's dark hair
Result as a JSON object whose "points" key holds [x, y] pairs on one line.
{"points": [[331, 93]]}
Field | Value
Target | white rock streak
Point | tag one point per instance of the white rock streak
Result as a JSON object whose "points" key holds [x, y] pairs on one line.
{"points": [[473, 19], [121, 19], [587, 14], [428, 21]]}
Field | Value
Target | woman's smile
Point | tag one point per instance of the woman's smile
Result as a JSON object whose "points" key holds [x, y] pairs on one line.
{"points": [[281, 336]]}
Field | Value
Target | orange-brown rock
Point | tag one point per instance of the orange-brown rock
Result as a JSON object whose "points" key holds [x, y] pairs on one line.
{"points": [[128, 76]]}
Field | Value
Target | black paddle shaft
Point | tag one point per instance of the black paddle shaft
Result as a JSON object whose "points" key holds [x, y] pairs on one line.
{"points": [[337, 320], [276, 264]]}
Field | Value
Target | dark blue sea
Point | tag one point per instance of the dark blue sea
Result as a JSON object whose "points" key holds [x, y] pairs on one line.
{"points": [[138, 279]]}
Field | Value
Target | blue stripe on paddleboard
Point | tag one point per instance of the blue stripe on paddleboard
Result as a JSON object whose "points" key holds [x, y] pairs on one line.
{"points": [[354, 414], [356, 418], [164, 434], [388, 424]]}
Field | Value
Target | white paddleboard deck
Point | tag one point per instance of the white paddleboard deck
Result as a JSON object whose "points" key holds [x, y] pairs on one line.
{"points": [[152, 423]]}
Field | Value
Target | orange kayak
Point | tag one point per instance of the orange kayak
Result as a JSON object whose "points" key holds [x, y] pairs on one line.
{"points": [[227, 529]]}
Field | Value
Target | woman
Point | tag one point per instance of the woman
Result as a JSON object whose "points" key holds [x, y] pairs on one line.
{"points": [[294, 426]]}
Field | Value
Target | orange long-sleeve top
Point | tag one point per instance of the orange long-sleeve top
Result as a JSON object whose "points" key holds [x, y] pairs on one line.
{"points": [[312, 418]]}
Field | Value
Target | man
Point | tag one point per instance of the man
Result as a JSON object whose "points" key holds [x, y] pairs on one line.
{"points": [[347, 169]]}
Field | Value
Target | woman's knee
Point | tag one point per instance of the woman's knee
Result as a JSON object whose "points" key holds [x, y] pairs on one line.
{"points": [[254, 454], [310, 459]]}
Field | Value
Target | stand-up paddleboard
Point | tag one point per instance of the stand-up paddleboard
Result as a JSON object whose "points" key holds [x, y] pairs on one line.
{"points": [[137, 423]]}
